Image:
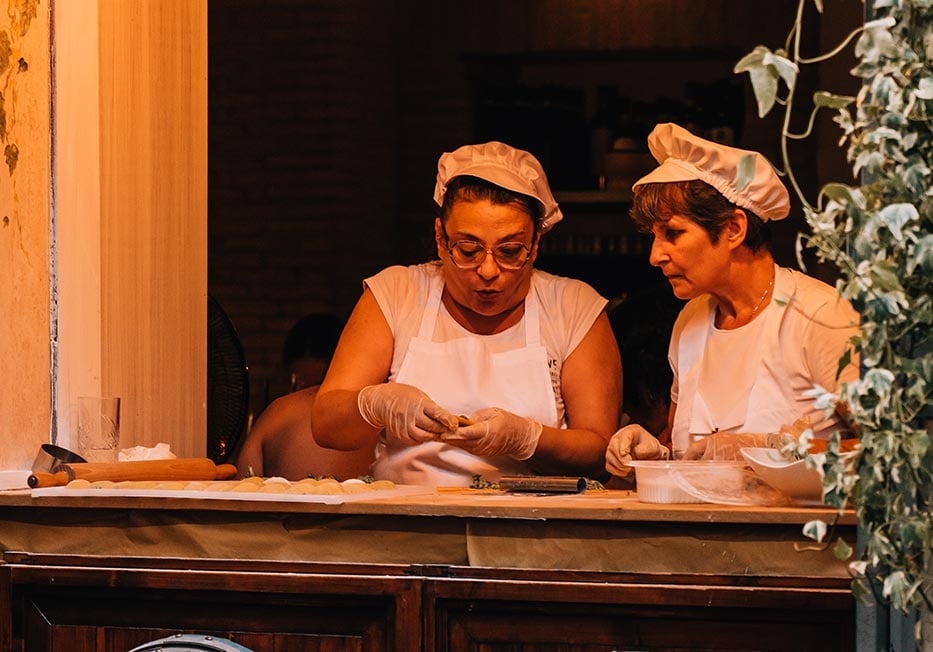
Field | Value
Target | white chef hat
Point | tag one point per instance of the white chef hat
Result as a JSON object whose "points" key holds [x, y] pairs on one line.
{"points": [[685, 157], [504, 166]]}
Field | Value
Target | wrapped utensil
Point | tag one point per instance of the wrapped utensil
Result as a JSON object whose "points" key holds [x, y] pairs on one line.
{"points": [[543, 484]]}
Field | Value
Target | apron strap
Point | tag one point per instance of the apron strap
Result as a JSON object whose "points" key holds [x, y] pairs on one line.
{"points": [[532, 316], [431, 309], [433, 305]]}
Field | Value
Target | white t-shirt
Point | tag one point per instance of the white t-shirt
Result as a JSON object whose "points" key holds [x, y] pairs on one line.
{"points": [[569, 308], [753, 378]]}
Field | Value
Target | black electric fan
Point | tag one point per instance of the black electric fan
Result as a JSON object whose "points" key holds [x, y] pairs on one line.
{"points": [[227, 384]]}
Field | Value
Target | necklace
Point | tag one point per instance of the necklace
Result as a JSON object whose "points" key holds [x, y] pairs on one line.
{"points": [[762, 299], [722, 321]]}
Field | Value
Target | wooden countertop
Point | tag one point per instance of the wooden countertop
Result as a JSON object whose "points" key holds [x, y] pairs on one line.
{"points": [[611, 505]]}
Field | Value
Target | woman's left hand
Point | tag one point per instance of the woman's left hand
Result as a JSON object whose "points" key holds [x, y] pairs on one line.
{"points": [[632, 443], [729, 445], [497, 432]]}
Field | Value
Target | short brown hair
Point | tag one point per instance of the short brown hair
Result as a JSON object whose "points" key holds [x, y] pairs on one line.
{"points": [[697, 201], [469, 188]]}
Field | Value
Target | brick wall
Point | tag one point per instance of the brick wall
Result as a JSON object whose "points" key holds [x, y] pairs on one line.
{"points": [[326, 118], [300, 106]]}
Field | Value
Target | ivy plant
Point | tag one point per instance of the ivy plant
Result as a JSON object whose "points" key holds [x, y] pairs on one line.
{"points": [[877, 233]]}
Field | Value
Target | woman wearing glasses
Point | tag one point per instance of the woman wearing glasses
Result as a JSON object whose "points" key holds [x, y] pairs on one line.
{"points": [[476, 364]]}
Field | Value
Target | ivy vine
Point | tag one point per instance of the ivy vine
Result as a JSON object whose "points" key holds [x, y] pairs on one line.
{"points": [[878, 235]]}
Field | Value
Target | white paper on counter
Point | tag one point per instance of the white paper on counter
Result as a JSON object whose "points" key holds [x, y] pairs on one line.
{"points": [[327, 499], [14, 479]]}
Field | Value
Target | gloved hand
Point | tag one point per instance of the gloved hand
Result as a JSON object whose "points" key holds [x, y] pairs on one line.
{"points": [[497, 432], [632, 443], [729, 445], [407, 413]]}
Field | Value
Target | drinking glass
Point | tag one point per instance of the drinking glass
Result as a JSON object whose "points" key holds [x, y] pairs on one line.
{"points": [[98, 428]]}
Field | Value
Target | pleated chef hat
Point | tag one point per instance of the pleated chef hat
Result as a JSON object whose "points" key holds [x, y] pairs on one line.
{"points": [[685, 157], [505, 166]]}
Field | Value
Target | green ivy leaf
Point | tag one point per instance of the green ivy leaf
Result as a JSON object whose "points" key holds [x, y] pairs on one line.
{"points": [[915, 176], [896, 216], [763, 77], [895, 586], [878, 235], [831, 101], [925, 88], [839, 192], [876, 40], [886, 276], [842, 550], [844, 362], [878, 381], [922, 255], [815, 530], [784, 67]]}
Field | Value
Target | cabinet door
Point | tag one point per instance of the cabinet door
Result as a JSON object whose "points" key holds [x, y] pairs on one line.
{"points": [[59, 609], [499, 616]]}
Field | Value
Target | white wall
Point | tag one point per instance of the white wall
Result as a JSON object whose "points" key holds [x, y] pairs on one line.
{"points": [[106, 290]]}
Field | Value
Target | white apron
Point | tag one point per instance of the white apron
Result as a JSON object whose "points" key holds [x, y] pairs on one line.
{"points": [[463, 375], [760, 400]]}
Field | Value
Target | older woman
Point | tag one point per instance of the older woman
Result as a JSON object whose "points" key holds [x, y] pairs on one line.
{"points": [[476, 364], [754, 338]]}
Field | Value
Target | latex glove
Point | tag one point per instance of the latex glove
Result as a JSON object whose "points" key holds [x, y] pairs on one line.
{"points": [[497, 432], [729, 445], [407, 413], [632, 443]]}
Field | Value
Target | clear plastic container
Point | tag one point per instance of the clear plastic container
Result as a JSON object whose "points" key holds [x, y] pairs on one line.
{"points": [[656, 484], [728, 482]]}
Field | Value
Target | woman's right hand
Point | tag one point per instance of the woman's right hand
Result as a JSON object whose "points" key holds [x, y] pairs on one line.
{"points": [[632, 443], [407, 414]]}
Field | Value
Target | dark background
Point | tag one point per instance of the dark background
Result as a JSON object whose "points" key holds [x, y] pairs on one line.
{"points": [[326, 119]]}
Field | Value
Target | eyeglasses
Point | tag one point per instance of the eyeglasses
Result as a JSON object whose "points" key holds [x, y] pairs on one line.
{"points": [[470, 254]]}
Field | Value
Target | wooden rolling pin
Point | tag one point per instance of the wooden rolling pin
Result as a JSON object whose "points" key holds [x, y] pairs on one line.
{"points": [[185, 468]]}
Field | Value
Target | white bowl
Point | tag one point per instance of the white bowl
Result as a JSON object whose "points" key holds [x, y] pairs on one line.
{"points": [[792, 478]]}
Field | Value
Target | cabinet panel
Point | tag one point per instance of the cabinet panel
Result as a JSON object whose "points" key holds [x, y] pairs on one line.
{"points": [[280, 607], [495, 616], [104, 609], [72, 620], [498, 627]]}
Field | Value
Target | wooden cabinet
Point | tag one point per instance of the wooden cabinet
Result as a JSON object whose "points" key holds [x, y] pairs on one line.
{"points": [[451, 571], [599, 614], [77, 604]]}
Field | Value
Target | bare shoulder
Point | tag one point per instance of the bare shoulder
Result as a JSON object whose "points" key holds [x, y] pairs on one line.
{"points": [[287, 408]]}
